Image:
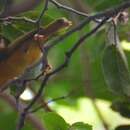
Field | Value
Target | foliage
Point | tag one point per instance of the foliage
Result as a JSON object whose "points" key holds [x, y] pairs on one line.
{"points": [[95, 62]]}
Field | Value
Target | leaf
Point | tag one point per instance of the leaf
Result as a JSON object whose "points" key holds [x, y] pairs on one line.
{"points": [[123, 127], [115, 70], [11, 32], [53, 121], [17, 88], [26, 26], [80, 126], [123, 107]]}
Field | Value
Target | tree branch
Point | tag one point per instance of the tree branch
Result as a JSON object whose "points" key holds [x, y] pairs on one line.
{"points": [[15, 9], [103, 16], [68, 55], [31, 117], [58, 5], [108, 13]]}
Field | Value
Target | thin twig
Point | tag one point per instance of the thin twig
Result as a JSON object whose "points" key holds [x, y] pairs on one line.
{"points": [[85, 61], [50, 101], [58, 5], [24, 19], [45, 104], [70, 52], [103, 15], [53, 100], [36, 123], [99, 16], [77, 28], [109, 13], [46, 78], [41, 101], [38, 21], [25, 111], [69, 9]]}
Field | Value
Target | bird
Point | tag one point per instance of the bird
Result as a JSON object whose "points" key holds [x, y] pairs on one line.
{"points": [[24, 52]]}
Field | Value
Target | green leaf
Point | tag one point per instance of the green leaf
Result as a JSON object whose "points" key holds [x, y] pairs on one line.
{"points": [[80, 126], [123, 107], [123, 127], [115, 69], [10, 32], [17, 88], [53, 121], [26, 26]]}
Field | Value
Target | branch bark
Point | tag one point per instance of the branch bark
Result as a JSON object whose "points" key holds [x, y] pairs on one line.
{"points": [[30, 117], [15, 9]]}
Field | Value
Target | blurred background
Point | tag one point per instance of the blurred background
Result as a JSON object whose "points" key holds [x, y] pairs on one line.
{"points": [[89, 98]]}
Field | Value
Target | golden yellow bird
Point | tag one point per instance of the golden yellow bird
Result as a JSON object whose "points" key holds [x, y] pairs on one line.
{"points": [[25, 51]]}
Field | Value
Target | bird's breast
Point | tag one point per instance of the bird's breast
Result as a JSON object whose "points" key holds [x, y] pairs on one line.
{"points": [[17, 63]]}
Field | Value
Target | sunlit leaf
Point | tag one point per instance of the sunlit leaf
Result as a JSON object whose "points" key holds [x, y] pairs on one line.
{"points": [[80, 126], [53, 121]]}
